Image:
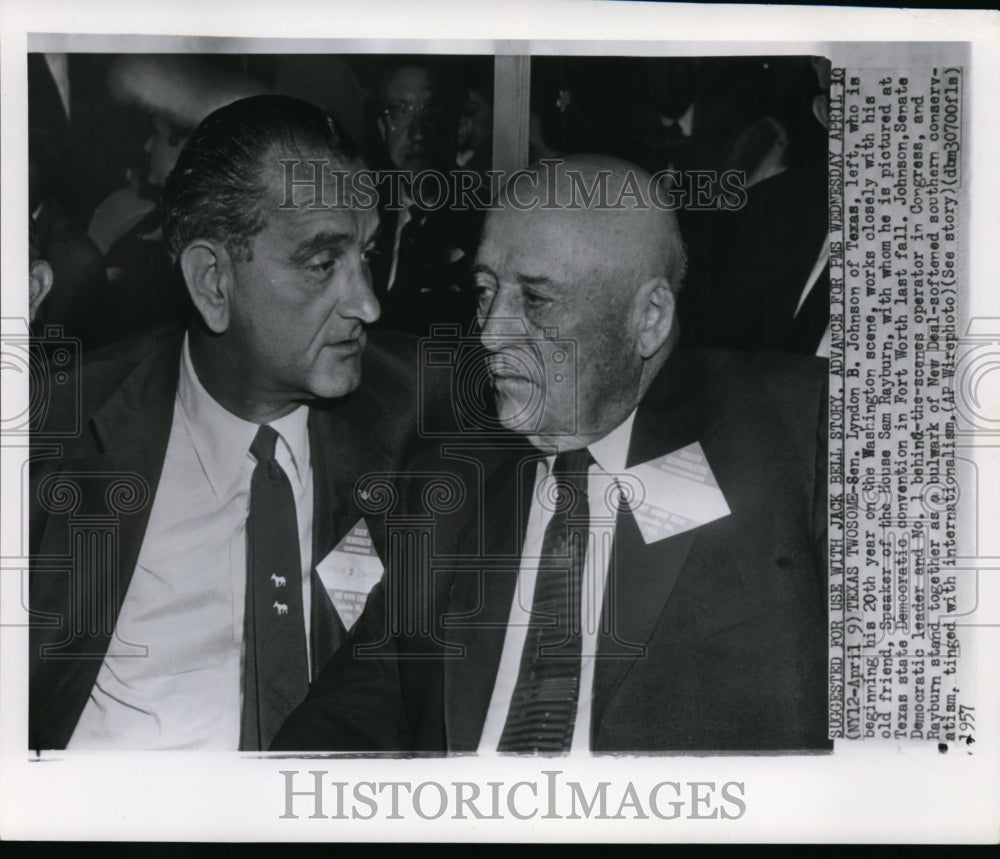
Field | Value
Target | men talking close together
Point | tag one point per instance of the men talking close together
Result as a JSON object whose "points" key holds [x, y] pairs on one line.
{"points": [[648, 572], [634, 560]]}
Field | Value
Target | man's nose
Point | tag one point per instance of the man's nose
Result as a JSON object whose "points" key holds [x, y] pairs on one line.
{"points": [[360, 302], [417, 127], [501, 322]]}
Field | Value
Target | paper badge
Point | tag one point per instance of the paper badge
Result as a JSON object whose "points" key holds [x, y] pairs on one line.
{"points": [[350, 571], [680, 493]]}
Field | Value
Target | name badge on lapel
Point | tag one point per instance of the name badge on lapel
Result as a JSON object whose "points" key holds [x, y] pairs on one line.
{"points": [[680, 491], [350, 571]]}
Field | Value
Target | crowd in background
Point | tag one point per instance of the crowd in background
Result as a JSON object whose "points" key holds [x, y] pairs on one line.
{"points": [[105, 131]]}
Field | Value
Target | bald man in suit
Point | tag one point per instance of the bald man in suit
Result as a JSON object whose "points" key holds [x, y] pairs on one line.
{"points": [[640, 565]]}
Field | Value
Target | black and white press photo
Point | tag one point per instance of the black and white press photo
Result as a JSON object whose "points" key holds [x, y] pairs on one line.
{"points": [[561, 429]]}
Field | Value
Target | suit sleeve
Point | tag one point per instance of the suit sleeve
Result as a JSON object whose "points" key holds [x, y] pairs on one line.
{"points": [[355, 704]]}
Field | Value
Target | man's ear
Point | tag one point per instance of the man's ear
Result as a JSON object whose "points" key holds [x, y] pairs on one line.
{"points": [[39, 285], [208, 273], [655, 307]]}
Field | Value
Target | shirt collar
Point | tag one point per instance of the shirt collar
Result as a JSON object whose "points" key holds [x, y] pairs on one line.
{"points": [[222, 440], [684, 122], [294, 431], [611, 452]]}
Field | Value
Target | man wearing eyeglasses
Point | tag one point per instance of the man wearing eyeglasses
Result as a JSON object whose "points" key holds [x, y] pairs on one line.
{"points": [[418, 120], [425, 240]]}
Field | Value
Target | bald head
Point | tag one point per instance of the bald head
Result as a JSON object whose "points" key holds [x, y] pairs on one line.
{"points": [[616, 210], [577, 251]]}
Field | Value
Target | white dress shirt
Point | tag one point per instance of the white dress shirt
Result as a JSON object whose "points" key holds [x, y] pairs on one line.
{"points": [[185, 602], [610, 454]]}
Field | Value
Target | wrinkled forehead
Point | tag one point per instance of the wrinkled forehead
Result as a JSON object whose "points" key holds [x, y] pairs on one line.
{"points": [[309, 184], [570, 240], [342, 227], [308, 177]]}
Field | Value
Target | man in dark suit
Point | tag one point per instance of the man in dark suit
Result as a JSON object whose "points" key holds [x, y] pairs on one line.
{"points": [[648, 574], [770, 289], [188, 538], [425, 242], [56, 187]]}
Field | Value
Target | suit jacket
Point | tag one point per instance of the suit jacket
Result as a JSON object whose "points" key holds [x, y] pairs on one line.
{"points": [[144, 289], [91, 497], [430, 286], [78, 298], [715, 638], [84, 155], [746, 297]]}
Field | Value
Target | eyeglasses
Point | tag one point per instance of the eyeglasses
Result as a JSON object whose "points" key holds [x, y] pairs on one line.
{"points": [[400, 114]]}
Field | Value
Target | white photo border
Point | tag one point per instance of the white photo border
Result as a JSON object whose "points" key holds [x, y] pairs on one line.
{"points": [[862, 792]]}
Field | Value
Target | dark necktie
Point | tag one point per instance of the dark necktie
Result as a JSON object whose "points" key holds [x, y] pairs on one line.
{"points": [[543, 707], [275, 665]]}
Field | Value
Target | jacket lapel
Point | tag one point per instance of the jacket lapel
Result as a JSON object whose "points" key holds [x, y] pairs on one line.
{"points": [[340, 456], [640, 580], [131, 430], [642, 577]]}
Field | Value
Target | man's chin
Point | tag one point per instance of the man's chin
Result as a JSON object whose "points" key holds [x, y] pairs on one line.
{"points": [[517, 408], [337, 381]]}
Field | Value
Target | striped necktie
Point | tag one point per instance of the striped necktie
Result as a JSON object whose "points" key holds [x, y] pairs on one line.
{"points": [[543, 707]]}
